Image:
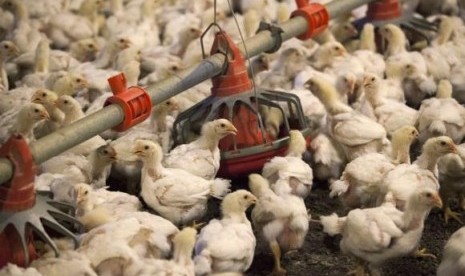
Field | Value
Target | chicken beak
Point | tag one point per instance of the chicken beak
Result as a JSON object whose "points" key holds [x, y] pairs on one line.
{"points": [[232, 130], [366, 82], [253, 200], [45, 116], [138, 152], [84, 83], [453, 149], [437, 201], [36, 100], [14, 51], [114, 157], [352, 87]]}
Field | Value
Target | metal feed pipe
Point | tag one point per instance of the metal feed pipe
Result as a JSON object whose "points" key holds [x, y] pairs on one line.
{"points": [[112, 115]]}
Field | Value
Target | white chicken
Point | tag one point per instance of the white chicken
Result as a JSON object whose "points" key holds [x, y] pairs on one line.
{"points": [[96, 207], [176, 194], [280, 217], [451, 176], [93, 169], [360, 183], [227, 244], [405, 179], [22, 122], [202, 156], [114, 246], [14, 270], [73, 112], [74, 263], [356, 133], [291, 170], [442, 115], [328, 162], [181, 263], [453, 258], [378, 234], [48, 99], [391, 114], [8, 50]]}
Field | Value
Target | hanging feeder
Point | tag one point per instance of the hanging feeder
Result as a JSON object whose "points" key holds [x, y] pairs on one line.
{"points": [[384, 12], [23, 213], [234, 97]]}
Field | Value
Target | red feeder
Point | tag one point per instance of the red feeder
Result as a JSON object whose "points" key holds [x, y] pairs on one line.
{"points": [[234, 98], [23, 212]]}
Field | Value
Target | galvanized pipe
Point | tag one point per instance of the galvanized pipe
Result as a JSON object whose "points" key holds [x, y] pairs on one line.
{"points": [[110, 116]]}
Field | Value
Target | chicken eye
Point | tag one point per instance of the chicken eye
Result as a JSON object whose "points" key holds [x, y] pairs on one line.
{"points": [[36, 110], [336, 48], [90, 46], [44, 94], [174, 68], [443, 143], [373, 79], [121, 40], [223, 125], [413, 132], [86, 192], [105, 152], [168, 103], [428, 195], [65, 101], [146, 147], [246, 197], [6, 46]]}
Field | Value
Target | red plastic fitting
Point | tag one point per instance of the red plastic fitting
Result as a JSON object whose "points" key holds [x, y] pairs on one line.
{"points": [[384, 10], [315, 14], [19, 193], [235, 80], [134, 100]]}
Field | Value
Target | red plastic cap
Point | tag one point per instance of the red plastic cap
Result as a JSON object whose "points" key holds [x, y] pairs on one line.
{"points": [[11, 248], [18, 194], [235, 80], [316, 15], [384, 10], [134, 100]]}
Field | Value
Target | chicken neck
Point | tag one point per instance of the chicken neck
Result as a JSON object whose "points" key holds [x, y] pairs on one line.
{"points": [[72, 115], [414, 216], [23, 124], [95, 166], [208, 140], [428, 161]]}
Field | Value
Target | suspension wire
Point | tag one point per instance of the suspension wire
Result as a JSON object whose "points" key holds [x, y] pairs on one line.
{"points": [[260, 121]]}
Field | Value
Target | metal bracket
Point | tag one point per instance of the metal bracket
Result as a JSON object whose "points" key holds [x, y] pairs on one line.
{"points": [[275, 33]]}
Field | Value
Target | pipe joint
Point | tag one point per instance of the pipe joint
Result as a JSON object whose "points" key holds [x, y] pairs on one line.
{"points": [[134, 101], [315, 14]]}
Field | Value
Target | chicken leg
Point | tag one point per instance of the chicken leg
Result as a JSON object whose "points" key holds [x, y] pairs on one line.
{"points": [[423, 253], [359, 269], [448, 213], [278, 270]]}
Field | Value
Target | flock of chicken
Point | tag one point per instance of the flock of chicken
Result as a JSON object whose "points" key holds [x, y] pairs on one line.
{"points": [[368, 108]]}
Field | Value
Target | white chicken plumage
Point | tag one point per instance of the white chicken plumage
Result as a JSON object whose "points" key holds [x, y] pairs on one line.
{"points": [[453, 259], [360, 183], [356, 133], [375, 235], [280, 217], [176, 194], [227, 244], [112, 247], [405, 179], [202, 156], [291, 170]]}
